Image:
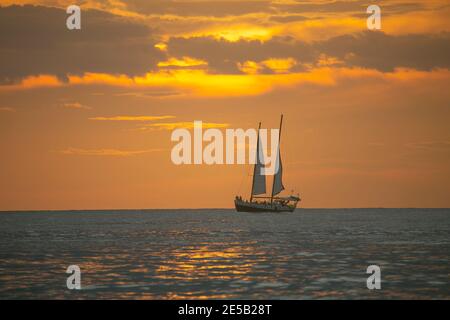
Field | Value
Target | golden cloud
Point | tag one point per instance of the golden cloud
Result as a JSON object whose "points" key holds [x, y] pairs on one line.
{"points": [[199, 83], [131, 118], [75, 105], [183, 62]]}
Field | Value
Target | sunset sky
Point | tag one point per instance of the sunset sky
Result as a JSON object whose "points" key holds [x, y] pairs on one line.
{"points": [[86, 115]]}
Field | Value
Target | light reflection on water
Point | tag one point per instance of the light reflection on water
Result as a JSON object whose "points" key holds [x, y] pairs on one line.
{"points": [[220, 254]]}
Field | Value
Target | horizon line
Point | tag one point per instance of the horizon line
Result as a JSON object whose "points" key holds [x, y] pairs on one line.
{"points": [[209, 208]]}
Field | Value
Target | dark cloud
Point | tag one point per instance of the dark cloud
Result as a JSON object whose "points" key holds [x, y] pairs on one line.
{"points": [[288, 18], [357, 7], [394, 9], [35, 40], [314, 6], [223, 56], [368, 50], [399, 8], [385, 52], [220, 8], [217, 8]]}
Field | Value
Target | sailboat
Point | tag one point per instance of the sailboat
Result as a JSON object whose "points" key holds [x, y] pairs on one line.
{"points": [[274, 203]]}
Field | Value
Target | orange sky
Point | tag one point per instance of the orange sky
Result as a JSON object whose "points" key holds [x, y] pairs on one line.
{"points": [[86, 116]]}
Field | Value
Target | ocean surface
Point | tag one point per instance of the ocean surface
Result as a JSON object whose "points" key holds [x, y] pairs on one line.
{"points": [[221, 254]]}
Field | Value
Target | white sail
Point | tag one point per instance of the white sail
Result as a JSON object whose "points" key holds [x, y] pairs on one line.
{"points": [[278, 177], [259, 179]]}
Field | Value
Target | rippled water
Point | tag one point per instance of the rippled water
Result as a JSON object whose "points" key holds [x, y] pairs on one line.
{"points": [[153, 254]]}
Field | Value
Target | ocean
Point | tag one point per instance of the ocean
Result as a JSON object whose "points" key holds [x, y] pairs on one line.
{"points": [[221, 254]]}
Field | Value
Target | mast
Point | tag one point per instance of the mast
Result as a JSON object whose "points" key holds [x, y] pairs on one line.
{"points": [[278, 155], [256, 162]]}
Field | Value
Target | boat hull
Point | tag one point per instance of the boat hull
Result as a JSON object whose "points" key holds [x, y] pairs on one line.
{"points": [[245, 206]]}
